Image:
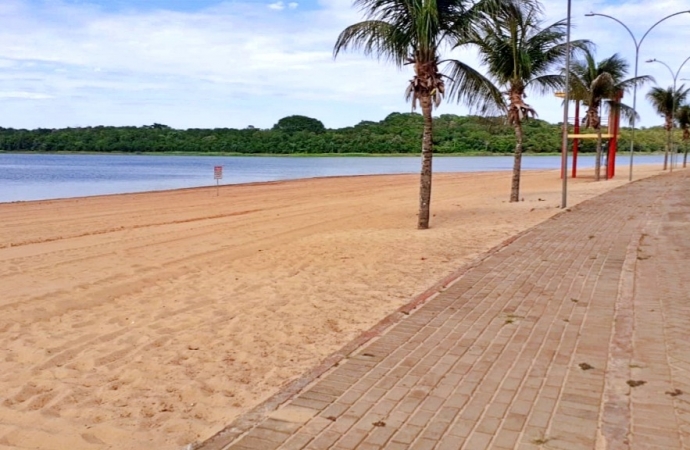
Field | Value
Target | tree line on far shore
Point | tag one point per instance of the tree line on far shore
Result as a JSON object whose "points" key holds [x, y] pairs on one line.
{"points": [[399, 133]]}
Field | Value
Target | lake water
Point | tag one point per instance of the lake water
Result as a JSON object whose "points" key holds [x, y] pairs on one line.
{"points": [[26, 177]]}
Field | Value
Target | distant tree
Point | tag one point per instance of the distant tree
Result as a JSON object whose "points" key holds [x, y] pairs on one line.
{"points": [[664, 101], [397, 133], [294, 124], [158, 126]]}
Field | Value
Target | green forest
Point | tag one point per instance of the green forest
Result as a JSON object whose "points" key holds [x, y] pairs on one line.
{"points": [[399, 133]]}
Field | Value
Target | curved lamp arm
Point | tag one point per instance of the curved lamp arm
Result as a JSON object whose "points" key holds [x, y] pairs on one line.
{"points": [[661, 20], [673, 75], [681, 66], [637, 45]]}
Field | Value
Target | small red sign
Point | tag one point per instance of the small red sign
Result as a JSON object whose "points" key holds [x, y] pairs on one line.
{"points": [[218, 172]]}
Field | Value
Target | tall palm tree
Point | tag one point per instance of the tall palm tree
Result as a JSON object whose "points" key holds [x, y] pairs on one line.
{"points": [[664, 101], [519, 55], [595, 83], [683, 118], [413, 32]]}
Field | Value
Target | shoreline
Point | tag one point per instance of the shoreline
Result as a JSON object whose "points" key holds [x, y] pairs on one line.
{"points": [[249, 184], [279, 155], [310, 155], [582, 169]]}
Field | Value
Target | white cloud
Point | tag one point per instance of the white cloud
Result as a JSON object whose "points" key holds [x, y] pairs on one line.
{"points": [[25, 95], [279, 6], [234, 65]]}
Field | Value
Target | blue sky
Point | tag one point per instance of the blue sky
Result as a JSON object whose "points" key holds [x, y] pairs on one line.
{"points": [[208, 64]]}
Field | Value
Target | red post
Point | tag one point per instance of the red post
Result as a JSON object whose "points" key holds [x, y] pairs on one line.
{"points": [[576, 142], [614, 127]]}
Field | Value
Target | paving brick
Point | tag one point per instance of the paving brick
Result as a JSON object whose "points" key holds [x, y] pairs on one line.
{"points": [[253, 442], [488, 425], [506, 439], [514, 421], [539, 419], [461, 428], [423, 444], [268, 434], [396, 446], [477, 440], [280, 425], [380, 436], [432, 404], [435, 430], [450, 443], [324, 440], [497, 409], [352, 439], [343, 423], [421, 418], [297, 441], [334, 410], [407, 434], [308, 403], [316, 425]]}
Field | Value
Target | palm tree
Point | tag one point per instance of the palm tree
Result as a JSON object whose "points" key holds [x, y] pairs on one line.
{"points": [[519, 55], [683, 118], [413, 32], [595, 83], [664, 101]]}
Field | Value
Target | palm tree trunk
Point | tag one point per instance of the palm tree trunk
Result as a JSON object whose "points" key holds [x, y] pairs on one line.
{"points": [[427, 153], [685, 156], [597, 161], [668, 143], [517, 163]]}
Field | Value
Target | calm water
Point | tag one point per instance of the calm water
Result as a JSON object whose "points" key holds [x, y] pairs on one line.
{"points": [[37, 177]]}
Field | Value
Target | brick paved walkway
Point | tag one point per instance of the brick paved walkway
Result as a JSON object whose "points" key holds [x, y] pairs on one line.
{"points": [[575, 336]]}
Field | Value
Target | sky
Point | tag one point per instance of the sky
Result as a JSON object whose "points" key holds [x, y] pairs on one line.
{"points": [[239, 63]]}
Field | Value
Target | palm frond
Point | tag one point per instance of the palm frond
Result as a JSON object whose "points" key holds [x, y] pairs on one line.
{"points": [[626, 111], [474, 89], [627, 85], [375, 38], [683, 116], [664, 99], [614, 65], [546, 83], [578, 89]]}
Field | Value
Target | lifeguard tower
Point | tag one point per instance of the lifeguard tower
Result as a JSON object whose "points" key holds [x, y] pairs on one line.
{"points": [[610, 131]]}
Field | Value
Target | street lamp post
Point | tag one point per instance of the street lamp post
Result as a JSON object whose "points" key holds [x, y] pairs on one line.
{"points": [[564, 152], [670, 145], [637, 58]]}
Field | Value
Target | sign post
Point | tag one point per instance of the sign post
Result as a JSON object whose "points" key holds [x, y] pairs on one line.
{"points": [[217, 175]]}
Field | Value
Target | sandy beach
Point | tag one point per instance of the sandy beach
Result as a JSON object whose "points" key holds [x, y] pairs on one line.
{"points": [[153, 320]]}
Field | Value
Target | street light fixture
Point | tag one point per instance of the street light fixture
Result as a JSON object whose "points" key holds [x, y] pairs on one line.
{"points": [[671, 144], [564, 146], [637, 57]]}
